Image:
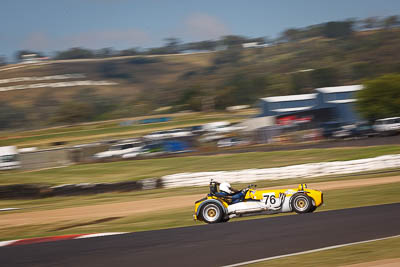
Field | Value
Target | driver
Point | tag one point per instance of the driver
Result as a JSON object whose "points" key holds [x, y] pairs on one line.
{"points": [[227, 191]]}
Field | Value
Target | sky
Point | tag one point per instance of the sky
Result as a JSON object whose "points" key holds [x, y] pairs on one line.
{"points": [[54, 25]]}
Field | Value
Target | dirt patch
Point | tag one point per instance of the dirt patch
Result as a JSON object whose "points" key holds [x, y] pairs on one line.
{"points": [[380, 263], [96, 212], [87, 223]]}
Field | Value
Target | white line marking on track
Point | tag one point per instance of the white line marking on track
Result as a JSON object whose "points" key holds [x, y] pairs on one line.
{"points": [[309, 251], [100, 234], [8, 209], [8, 242]]}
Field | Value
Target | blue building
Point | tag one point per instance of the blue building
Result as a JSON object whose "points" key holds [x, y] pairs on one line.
{"points": [[288, 104], [326, 104], [341, 100]]}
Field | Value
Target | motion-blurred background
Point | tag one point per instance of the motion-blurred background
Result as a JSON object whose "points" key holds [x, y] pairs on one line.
{"points": [[104, 96]]}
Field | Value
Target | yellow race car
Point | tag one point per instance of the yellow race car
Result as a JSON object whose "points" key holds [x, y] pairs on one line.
{"points": [[217, 207]]}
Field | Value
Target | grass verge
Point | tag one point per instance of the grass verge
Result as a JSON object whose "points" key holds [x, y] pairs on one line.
{"points": [[367, 252]]}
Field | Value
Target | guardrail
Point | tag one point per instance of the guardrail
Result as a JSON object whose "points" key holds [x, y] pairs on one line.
{"points": [[288, 172]]}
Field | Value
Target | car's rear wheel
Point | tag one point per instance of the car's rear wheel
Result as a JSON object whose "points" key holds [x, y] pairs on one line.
{"points": [[211, 213], [301, 203], [313, 208]]}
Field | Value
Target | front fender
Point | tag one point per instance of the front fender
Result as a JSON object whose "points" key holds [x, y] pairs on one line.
{"points": [[316, 196]]}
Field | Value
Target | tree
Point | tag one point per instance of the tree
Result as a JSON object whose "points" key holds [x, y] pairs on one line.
{"points": [[229, 56], [172, 44], [338, 29], [44, 105], [233, 40], [380, 97], [158, 51], [73, 112], [75, 53], [390, 21], [97, 103], [207, 45], [291, 35], [361, 70], [105, 52], [129, 52], [11, 117], [3, 61], [241, 88], [371, 22], [324, 77], [299, 82], [191, 99], [112, 70]]}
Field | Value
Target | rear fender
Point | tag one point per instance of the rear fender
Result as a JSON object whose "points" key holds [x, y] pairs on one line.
{"points": [[214, 201]]}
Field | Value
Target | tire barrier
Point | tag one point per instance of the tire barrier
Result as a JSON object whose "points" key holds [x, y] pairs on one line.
{"points": [[288, 172], [21, 191], [32, 191]]}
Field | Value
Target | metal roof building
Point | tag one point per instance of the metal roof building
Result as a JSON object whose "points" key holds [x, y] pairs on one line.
{"points": [[326, 104], [277, 105]]}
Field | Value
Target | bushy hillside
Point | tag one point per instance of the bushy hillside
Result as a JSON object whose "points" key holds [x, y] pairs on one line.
{"points": [[143, 85]]}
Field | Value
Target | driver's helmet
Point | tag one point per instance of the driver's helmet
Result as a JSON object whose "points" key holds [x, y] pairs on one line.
{"points": [[225, 187]]}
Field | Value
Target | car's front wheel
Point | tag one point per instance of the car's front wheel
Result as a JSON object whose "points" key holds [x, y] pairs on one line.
{"points": [[211, 213], [301, 203]]}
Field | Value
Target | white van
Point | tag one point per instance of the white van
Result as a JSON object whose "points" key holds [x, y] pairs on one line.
{"points": [[9, 158], [387, 126]]}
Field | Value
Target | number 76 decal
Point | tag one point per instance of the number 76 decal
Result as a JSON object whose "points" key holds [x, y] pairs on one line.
{"points": [[271, 199]]}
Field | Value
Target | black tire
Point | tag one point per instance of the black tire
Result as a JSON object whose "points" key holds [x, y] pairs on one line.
{"points": [[211, 213], [301, 203], [226, 219], [313, 208]]}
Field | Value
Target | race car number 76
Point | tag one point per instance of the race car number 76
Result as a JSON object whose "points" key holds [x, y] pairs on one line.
{"points": [[271, 198]]}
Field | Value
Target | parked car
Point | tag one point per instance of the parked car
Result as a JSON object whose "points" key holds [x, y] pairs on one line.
{"points": [[328, 128], [344, 132], [357, 130], [133, 154], [231, 142], [387, 126], [9, 158], [211, 137], [174, 133], [118, 150], [363, 129]]}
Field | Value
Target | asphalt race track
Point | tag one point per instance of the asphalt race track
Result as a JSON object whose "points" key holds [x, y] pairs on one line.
{"points": [[214, 245]]}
